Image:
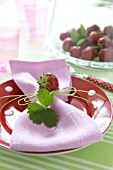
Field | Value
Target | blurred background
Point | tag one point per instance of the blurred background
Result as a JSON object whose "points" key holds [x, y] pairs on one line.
{"points": [[45, 17]]}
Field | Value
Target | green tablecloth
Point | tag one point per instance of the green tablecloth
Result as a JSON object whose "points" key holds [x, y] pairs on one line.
{"points": [[97, 156]]}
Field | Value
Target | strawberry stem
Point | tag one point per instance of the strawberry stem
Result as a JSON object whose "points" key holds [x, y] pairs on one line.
{"points": [[43, 82]]}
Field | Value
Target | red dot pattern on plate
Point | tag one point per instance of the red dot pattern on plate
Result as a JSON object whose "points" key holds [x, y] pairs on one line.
{"points": [[101, 83]]}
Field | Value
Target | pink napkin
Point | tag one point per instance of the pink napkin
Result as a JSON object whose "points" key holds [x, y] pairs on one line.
{"points": [[74, 129], [26, 74]]}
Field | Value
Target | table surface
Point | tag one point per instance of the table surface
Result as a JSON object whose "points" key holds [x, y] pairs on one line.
{"points": [[98, 156]]}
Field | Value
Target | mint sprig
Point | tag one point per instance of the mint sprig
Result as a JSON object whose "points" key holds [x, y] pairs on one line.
{"points": [[75, 35], [39, 113], [79, 36], [81, 41], [83, 31]]}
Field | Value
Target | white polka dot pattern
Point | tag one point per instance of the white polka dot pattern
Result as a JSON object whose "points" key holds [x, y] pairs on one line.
{"points": [[8, 89], [91, 92], [101, 83]]}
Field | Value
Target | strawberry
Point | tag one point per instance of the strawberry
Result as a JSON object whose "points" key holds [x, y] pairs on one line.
{"points": [[85, 44], [112, 43], [108, 30], [106, 54], [105, 41], [49, 81], [64, 35], [88, 53], [68, 43], [75, 51], [93, 28], [93, 37]]}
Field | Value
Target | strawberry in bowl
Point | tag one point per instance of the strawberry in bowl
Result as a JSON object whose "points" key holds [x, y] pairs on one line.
{"points": [[89, 43]]}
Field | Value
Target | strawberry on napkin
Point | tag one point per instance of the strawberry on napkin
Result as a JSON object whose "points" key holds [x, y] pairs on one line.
{"points": [[26, 74], [74, 128]]}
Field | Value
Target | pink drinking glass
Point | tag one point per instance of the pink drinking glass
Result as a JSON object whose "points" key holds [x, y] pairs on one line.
{"points": [[36, 16]]}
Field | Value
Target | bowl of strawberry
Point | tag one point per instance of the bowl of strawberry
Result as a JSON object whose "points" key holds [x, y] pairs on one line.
{"points": [[85, 46]]}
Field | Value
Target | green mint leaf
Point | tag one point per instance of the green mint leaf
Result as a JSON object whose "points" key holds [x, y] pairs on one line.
{"points": [[99, 32], [100, 46], [96, 48], [81, 41], [39, 114], [51, 118], [45, 97], [83, 31], [75, 35], [35, 112]]}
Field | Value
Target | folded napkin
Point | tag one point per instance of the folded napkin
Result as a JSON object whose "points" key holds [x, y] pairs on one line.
{"points": [[26, 74], [74, 129]]}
